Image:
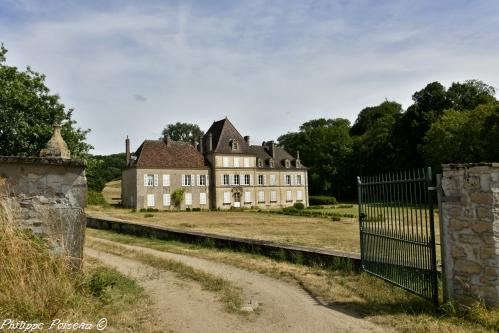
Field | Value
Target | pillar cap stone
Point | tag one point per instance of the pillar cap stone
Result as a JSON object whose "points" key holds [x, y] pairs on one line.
{"points": [[56, 147]]}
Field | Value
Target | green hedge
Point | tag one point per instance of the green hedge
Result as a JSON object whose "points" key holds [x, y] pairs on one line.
{"points": [[317, 200], [96, 198]]}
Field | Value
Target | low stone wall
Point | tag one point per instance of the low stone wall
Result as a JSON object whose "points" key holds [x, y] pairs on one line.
{"points": [[295, 254], [470, 232], [48, 196]]}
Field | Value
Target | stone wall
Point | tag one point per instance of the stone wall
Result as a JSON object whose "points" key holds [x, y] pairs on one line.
{"points": [[48, 196], [470, 232]]}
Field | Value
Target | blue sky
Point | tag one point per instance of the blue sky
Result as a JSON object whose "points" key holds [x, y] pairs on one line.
{"points": [[130, 67]]}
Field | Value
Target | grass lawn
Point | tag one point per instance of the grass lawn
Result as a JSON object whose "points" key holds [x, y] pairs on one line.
{"points": [[307, 231]]}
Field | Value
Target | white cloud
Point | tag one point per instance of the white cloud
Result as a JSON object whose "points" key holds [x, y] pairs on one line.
{"points": [[267, 67]]}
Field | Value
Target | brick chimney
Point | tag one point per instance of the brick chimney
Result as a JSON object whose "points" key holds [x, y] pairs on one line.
{"points": [[247, 139], [271, 146], [200, 145], [127, 150]]}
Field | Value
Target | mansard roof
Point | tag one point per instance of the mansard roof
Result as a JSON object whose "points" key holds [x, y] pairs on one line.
{"points": [[223, 134], [171, 155], [280, 156]]}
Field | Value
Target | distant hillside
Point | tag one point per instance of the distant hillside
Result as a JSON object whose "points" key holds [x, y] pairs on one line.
{"points": [[102, 169]]}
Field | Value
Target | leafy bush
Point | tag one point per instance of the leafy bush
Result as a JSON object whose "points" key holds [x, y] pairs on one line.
{"points": [[299, 206], [96, 198], [178, 197], [188, 209], [148, 215], [322, 200], [196, 209]]}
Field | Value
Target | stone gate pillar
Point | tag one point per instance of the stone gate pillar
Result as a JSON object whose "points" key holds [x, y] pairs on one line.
{"points": [[470, 232]]}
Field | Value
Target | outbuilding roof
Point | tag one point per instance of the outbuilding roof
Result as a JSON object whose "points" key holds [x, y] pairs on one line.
{"points": [[171, 155]]}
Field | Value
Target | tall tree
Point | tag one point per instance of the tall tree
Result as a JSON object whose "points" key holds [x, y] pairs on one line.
{"points": [[183, 132], [470, 94], [28, 111], [325, 146]]}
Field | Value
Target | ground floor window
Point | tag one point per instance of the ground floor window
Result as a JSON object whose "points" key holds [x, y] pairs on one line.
{"points": [[202, 198], [226, 197], [188, 199], [247, 197], [273, 196], [261, 196], [150, 200], [166, 199], [288, 196], [299, 195]]}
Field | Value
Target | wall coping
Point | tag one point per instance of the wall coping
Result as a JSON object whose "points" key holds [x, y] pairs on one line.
{"points": [[43, 161], [457, 166]]}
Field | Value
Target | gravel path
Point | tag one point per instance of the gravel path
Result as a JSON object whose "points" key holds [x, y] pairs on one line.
{"points": [[184, 307]]}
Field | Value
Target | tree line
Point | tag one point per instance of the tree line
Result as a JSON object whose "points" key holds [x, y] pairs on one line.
{"points": [[457, 124]]}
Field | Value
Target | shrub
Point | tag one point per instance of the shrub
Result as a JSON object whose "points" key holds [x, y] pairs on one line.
{"points": [[188, 209], [196, 209], [299, 206], [96, 198], [322, 200], [178, 197], [148, 215]]}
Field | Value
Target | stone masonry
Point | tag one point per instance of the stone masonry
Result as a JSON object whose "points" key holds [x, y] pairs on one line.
{"points": [[47, 195], [470, 232]]}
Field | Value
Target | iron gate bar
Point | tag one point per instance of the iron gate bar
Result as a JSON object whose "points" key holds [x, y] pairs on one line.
{"points": [[397, 230]]}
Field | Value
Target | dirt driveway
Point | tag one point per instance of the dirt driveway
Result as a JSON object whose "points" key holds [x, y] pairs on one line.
{"points": [[184, 307]]}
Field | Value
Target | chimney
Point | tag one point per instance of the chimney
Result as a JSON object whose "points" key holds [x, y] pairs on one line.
{"points": [[247, 139], [271, 146], [127, 150], [297, 155], [201, 144], [210, 142], [56, 147]]}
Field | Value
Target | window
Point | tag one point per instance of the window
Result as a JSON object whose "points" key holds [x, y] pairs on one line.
{"points": [[288, 196], [273, 196], [236, 180], [202, 180], [247, 179], [166, 199], [188, 199], [287, 180], [260, 179], [247, 197], [186, 180], [166, 180], [298, 179], [287, 163], [225, 161], [225, 180], [246, 162], [260, 163], [202, 198], [237, 197], [271, 163], [236, 162], [299, 196], [226, 197], [272, 179], [150, 200], [235, 145], [261, 196], [148, 180]]}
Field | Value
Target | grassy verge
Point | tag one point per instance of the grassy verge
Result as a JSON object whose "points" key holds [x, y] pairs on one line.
{"points": [[37, 286], [230, 295], [360, 294]]}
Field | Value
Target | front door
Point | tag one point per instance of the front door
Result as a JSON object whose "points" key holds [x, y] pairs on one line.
{"points": [[237, 199]]}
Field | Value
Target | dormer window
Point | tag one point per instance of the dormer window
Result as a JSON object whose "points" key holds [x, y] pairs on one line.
{"points": [[234, 145], [287, 163], [260, 163], [271, 163]]}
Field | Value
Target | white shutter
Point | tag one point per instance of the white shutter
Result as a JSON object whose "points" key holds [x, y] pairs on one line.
{"points": [[241, 179], [166, 180], [182, 180], [264, 179], [221, 180], [150, 200], [156, 180], [284, 180], [193, 180], [198, 180], [166, 199], [251, 180], [231, 179], [202, 198], [236, 162], [145, 180], [207, 180]]}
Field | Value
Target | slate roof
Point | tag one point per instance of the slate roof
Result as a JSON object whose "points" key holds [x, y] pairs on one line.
{"points": [[263, 153], [157, 154], [223, 132]]}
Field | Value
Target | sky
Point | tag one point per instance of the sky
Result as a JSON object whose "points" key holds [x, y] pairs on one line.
{"points": [[132, 67]]}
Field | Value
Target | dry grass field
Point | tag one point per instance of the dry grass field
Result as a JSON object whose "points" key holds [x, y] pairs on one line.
{"points": [[307, 231]]}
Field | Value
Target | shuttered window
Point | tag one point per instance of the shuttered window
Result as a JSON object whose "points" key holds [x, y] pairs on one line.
{"points": [[299, 195], [272, 179], [226, 197], [261, 196], [202, 198], [166, 199], [247, 197], [148, 180], [150, 200], [260, 179], [236, 162], [247, 179], [188, 199], [225, 161], [273, 196], [166, 180], [246, 162], [288, 196]]}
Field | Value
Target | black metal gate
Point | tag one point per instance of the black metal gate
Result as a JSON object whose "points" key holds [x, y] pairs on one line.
{"points": [[397, 232]]}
